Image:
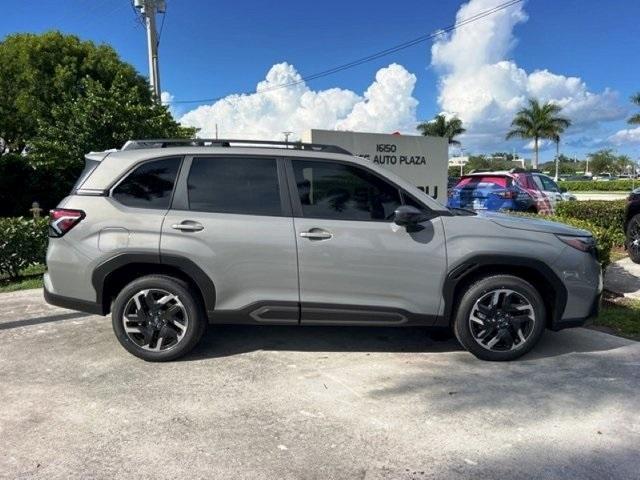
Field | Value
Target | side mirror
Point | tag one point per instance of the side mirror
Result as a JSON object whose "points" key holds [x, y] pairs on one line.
{"points": [[406, 216], [563, 190]]}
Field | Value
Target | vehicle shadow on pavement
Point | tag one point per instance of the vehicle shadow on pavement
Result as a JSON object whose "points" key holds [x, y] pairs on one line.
{"points": [[40, 320], [226, 340]]}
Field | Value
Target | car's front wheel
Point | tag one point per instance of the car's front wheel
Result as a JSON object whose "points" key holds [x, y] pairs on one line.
{"points": [[158, 318], [633, 238], [500, 317]]}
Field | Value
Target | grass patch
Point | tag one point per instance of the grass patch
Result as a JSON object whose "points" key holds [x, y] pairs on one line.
{"points": [[30, 277], [618, 253], [620, 315]]}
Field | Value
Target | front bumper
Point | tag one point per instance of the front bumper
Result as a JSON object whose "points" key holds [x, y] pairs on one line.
{"points": [[579, 322]]}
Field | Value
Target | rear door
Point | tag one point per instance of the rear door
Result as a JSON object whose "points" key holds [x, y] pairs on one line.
{"points": [[231, 216], [356, 266], [549, 188]]}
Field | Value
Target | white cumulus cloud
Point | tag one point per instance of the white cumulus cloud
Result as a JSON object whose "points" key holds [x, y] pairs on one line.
{"points": [[386, 106], [485, 89], [625, 136]]}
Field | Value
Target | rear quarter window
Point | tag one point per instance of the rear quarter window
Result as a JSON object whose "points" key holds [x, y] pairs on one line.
{"points": [[150, 185]]}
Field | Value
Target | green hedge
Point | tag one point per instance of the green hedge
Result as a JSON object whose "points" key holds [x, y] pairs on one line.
{"points": [[23, 242], [603, 213], [605, 219], [595, 186]]}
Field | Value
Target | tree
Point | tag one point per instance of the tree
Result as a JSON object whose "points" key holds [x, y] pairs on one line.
{"points": [[602, 161], [538, 121], [635, 119], [99, 119], [62, 97], [441, 127]]}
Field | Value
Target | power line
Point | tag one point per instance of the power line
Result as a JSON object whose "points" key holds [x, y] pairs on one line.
{"points": [[377, 55]]}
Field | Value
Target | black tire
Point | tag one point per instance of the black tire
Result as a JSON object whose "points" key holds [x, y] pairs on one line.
{"points": [[633, 235], [481, 289], [189, 305]]}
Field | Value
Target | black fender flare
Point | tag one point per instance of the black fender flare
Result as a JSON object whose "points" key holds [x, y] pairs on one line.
{"points": [[183, 264], [464, 269]]}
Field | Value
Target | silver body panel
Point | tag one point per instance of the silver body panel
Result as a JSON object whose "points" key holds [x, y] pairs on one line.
{"points": [[253, 259]]}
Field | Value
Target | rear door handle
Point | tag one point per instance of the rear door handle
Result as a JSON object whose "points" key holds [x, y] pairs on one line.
{"points": [[316, 234], [188, 226]]}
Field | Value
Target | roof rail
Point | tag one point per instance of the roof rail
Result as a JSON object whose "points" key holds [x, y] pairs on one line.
{"points": [[215, 142]]}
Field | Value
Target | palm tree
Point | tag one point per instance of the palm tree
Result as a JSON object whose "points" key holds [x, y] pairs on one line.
{"points": [[538, 121], [441, 127], [635, 119]]}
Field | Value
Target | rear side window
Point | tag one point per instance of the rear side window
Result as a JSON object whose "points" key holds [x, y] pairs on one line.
{"points": [[484, 180], [246, 186], [343, 192], [150, 185]]}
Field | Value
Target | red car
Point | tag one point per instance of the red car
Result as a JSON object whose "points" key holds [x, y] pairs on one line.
{"points": [[515, 190]]}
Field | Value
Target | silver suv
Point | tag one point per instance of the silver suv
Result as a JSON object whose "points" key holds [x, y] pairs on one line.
{"points": [[171, 235]]}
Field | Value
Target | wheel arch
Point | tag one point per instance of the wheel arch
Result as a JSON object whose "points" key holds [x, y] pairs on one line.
{"points": [[536, 272], [111, 276], [633, 209]]}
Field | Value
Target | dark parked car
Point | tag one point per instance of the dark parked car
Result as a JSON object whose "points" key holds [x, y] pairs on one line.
{"points": [[632, 225]]}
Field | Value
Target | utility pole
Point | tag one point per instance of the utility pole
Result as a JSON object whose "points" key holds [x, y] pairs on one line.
{"points": [[286, 137], [149, 8]]}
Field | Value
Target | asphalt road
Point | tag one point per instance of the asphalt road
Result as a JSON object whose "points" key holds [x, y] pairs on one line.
{"points": [[325, 403]]}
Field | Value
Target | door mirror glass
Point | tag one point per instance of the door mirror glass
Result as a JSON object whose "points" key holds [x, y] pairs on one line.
{"points": [[406, 215], [563, 190]]}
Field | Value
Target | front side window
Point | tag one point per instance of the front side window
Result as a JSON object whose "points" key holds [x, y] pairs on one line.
{"points": [[548, 184], [343, 192], [150, 185], [246, 186]]}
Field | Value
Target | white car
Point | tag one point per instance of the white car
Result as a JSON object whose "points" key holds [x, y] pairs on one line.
{"points": [[551, 189]]}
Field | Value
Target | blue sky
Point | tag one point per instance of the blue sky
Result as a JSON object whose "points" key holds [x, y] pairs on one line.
{"points": [[214, 49]]}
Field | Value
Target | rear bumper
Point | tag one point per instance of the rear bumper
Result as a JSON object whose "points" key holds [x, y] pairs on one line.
{"points": [[73, 303]]}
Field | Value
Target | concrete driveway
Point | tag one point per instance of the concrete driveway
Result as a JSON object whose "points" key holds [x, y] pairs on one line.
{"points": [[325, 403]]}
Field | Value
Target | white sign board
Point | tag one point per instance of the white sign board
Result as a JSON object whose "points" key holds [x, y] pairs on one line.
{"points": [[419, 160]]}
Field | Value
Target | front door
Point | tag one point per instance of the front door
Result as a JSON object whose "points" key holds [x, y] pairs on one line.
{"points": [[230, 216], [356, 265]]}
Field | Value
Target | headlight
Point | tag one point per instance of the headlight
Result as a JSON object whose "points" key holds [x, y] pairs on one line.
{"points": [[584, 244]]}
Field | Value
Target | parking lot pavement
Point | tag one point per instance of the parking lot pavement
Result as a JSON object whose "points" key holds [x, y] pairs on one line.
{"points": [[325, 403]]}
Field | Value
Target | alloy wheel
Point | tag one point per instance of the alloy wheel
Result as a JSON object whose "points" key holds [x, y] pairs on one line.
{"points": [[502, 320], [155, 320]]}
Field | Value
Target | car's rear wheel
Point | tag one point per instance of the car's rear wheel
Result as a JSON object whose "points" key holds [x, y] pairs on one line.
{"points": [[633, 238], [500, 317], [158, 318]]}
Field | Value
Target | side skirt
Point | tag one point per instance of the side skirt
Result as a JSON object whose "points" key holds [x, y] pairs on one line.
{"points": [[293, 313]]}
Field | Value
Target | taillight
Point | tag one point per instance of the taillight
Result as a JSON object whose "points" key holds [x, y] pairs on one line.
{"points": [[508, 194], [61, 220]]}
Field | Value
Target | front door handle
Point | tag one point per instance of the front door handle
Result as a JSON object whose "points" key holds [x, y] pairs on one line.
{"points": [[188, 226], [316, 234]]}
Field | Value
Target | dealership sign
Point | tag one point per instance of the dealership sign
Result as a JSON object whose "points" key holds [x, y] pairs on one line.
{"points": [[419, 160]]}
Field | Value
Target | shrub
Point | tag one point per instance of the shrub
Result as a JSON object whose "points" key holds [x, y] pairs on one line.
{"points": [[595, 186], [603, 213], [23, 242]]}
